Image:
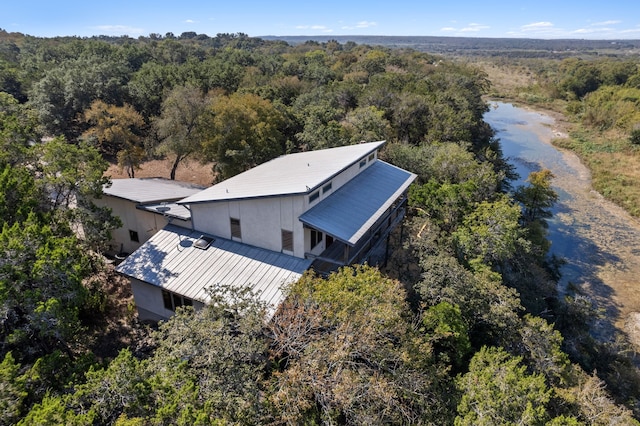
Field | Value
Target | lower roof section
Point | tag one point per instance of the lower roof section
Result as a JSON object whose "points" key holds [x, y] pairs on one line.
{"points": [[171, 261], [170, 210], [353, 209]]}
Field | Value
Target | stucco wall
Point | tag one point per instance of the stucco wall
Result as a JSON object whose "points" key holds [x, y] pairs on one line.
{"points": [[145, 223], [149, 302], [261, 220]]}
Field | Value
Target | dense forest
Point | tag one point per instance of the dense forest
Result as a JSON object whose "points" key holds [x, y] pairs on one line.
{"points": [[487, 47], [462, 326]]}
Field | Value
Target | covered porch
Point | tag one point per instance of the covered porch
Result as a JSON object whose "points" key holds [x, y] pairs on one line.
{"points": [[358, 218]]}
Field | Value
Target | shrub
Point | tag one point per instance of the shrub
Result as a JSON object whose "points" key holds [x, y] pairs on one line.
{"points": [[634, 137]]}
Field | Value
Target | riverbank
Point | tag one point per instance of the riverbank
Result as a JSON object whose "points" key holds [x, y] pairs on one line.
{"points": [[614, 163], [599, 240]]}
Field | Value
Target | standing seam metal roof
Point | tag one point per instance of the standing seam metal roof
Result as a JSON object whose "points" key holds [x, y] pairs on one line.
{"points": [[297, 173], [170, 261], [353, 209], [150, 190]]}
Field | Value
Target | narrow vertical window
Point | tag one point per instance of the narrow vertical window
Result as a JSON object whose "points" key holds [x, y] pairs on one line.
{"points": [[133, 235], [166, 298], [316, 238], [287, 240], [177, 301], [235, 228]]}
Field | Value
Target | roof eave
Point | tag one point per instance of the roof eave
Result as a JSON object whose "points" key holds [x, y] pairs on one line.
{"points": [[222, 200]]}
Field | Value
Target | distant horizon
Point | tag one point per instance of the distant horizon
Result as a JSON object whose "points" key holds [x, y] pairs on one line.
{"points": [[330, 36], [528, 19]]}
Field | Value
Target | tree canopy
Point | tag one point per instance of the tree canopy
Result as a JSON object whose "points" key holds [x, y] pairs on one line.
{"points": [[463, 324]]}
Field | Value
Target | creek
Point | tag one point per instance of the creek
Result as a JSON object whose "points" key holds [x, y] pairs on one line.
{"points": [[599, 241]]}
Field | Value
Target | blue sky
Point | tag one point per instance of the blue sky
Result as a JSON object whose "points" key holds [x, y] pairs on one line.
{"points": [[585, 19]]}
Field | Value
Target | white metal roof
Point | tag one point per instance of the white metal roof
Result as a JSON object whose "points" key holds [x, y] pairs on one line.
{"points": [[150, 190], [352, 210], [172, 210], [170, 261], [290, 174]]}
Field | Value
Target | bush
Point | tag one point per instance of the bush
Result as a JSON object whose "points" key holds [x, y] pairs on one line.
{"points": [[634, 137]]}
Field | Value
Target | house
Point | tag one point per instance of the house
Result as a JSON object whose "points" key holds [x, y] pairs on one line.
{"points": [[144, 206], [263, 228]]}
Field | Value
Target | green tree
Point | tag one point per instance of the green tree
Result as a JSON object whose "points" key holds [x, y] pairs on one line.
{"points": [[367, 124], [52, 410], [12, 390], [491, 234], [244, 130], [537, 198], [68, 89], [579, 77], [114, 128], [72, 176], [353, 354], [411, 118], [217, 355], [489, 308], [148, 87], [543, 350], [41, 289], [178, 127], [448, 332], [19, 195], [17, 130], [321, 117], [498, 390], [110, 392]]}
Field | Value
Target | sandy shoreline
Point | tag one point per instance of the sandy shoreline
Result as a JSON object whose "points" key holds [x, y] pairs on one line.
{"points": [[604, 262]]}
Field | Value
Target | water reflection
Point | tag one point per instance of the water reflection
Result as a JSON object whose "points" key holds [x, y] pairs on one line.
{"points": [[599, 241]]}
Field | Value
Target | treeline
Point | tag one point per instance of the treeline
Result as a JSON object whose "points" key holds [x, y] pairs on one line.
{"points": [[601, 93], [483, 46], [463, 326]]}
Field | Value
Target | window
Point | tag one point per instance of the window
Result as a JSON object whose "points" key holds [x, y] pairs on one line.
{"points": [[287, 240], [326, 188], [372, 156], [134, 236], [316, 238], [167, 299], [235, 228], [363, 162], [172, 300], [314, 196]]}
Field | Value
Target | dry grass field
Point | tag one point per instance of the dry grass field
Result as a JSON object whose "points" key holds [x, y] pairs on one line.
{"points": [[614, 163], [192, 171]]}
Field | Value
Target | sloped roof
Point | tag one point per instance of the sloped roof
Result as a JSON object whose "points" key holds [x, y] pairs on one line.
{"points": [[354, 208], [167, 209], [290, 174], [170, 261], [150, 190]]}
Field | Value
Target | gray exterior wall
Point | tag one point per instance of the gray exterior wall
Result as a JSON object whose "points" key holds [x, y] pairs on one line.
{"points": [[149, 302], [145, 223], [261, 221]]}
